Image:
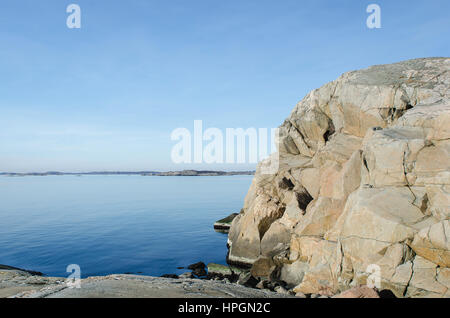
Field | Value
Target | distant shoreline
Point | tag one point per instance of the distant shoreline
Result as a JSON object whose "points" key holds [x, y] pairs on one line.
{"points": [[185, 173]]}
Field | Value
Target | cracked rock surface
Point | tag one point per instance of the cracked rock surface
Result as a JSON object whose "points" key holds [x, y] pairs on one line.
{"points": [[19, 284], [362, 185]]}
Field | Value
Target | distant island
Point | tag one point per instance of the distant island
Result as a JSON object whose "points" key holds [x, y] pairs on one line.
{"points": [[185, 173], [194, 173]]}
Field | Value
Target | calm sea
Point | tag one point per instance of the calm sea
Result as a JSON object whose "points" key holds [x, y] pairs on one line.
{"points": [[115, 224]]}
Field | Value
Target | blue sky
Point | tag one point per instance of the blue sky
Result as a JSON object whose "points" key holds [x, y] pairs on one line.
{"points": [[107, 96]]}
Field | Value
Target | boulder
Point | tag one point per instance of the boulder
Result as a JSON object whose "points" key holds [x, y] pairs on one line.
{"points": [[433, 243], [263, 267], [198, 269]]}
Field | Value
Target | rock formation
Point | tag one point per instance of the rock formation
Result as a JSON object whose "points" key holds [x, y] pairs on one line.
{"points": [[20, 284], [363, 186], [224, 224]]}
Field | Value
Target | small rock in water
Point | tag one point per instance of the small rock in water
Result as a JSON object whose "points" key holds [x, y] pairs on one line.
{"points": [[198, 265], [198, 269], [300, 295]]}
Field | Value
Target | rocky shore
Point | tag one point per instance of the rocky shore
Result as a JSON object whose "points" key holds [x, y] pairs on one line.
{"points": [[361, 197], [20, 284], [221, 282]]}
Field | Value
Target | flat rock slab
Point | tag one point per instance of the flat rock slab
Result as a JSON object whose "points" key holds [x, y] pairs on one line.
{"points": [[225, 224], [14, 284]]}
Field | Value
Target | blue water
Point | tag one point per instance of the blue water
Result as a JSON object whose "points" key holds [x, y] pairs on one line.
{"points": [[115, 224]]}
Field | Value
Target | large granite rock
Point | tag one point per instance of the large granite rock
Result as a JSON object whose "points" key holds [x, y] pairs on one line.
{"points": [[363, 182]]}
